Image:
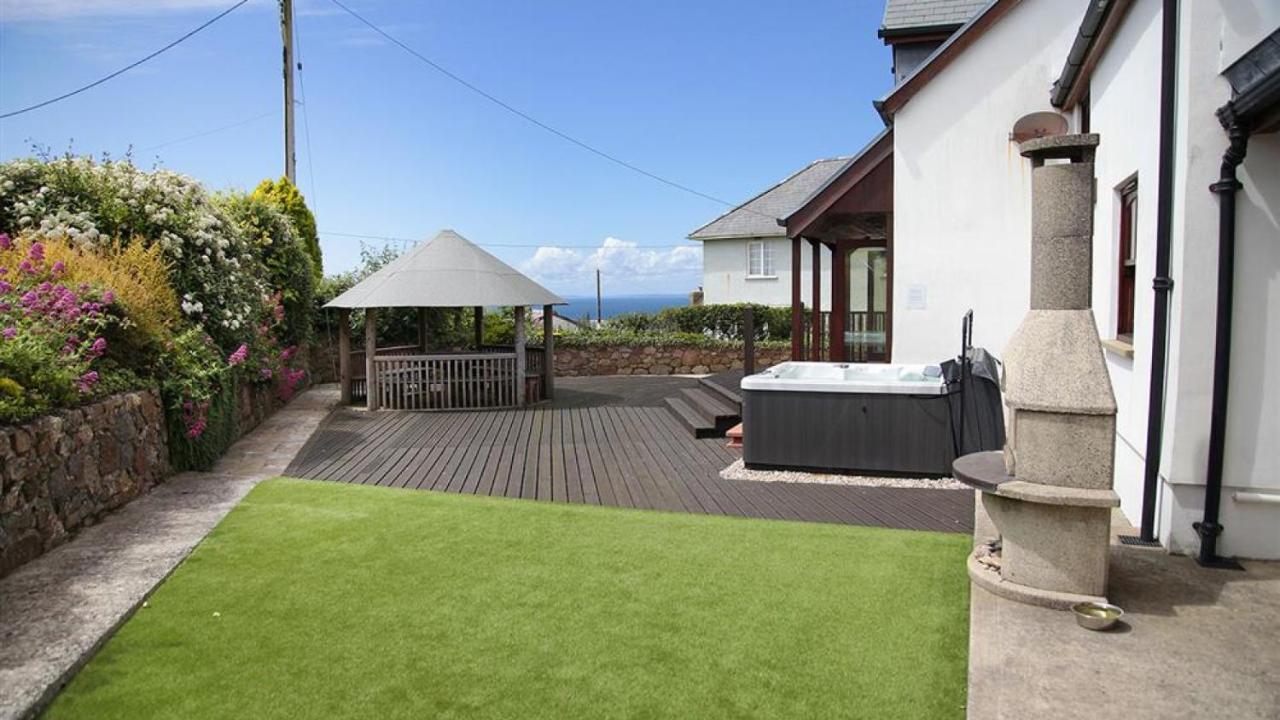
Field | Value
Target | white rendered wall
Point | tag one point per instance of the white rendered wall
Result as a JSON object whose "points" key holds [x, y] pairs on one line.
{"points": [[962, 224], [1214, 33], [1125, 92], [724, 274]]}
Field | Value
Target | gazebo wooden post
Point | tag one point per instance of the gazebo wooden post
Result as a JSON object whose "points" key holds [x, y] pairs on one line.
{"points": [[422, 330], [548, 352], [370, 351], [344, 355], [478, 322], [520, 359]]}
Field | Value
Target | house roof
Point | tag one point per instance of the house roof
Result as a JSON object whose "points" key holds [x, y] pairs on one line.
{"points": [[447, 271], [760, 216], [1101, 21], [981, 21], [909, 15]]}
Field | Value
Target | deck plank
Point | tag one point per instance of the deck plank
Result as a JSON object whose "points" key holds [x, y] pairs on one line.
{"points": [[603, 443]]}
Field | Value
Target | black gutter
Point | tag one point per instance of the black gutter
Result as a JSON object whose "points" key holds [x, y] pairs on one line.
{"points": [[1209, 528], [925, 31], [1085, 37], [1161, 284], [1255, 80]]}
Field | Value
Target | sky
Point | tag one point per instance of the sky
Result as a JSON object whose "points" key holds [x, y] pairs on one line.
{"points": [[722, 96]]}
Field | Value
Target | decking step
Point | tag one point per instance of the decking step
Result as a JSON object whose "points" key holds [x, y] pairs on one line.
{"points": [[710, 404], [702, 426], [735, 437], [730, 395]]}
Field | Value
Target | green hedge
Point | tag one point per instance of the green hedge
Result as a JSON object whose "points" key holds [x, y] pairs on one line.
{"points": [[223, 429], [609, 337], [719, 321]]}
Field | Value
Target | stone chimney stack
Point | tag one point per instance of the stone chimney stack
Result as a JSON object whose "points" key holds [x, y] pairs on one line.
{"points": [[1050, 494]]}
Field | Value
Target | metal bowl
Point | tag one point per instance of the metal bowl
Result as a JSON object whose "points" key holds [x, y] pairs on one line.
{"points": [[1096, 615]]}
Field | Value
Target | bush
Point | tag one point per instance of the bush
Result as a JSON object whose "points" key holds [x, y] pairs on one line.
{"points": [[609, 337], [717, 321], [286, 197], [52, 333], [94, 205], [287, 266]]}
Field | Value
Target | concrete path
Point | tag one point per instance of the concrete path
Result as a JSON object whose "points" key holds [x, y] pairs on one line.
{"points": [[56, 610], [1194, 643]]}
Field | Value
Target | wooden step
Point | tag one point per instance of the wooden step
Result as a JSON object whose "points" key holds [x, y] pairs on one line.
{"points": [[735, 437], [730, 395], [699, 424], [713, 407]]}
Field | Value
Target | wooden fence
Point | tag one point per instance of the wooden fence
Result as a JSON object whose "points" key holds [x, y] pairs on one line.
{"points": [[446, 382]]}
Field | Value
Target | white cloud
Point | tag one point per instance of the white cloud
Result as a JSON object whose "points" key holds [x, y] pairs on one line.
{"points": [[618, 259], [26, 10]]}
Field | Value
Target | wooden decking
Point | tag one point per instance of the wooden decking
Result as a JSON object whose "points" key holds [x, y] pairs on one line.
{"points": [[605, 441]]}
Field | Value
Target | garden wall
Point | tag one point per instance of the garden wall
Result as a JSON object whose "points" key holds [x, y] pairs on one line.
{"points": [[657, 359], [61, 472]]}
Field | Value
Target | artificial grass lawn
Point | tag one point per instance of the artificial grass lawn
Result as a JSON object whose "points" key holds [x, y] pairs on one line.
{"points": [[323, 600]]}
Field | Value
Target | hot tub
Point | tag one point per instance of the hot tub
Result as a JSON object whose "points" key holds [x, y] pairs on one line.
{"points": [[864, 418]]}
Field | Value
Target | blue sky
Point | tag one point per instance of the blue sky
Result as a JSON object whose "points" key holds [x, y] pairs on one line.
{"points": [[721, 95]]}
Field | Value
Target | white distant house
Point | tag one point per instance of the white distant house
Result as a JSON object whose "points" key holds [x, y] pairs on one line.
{"points": [[746, 256]]}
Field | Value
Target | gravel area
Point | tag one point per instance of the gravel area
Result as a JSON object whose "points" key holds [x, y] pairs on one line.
{"points": [[737, 471]]}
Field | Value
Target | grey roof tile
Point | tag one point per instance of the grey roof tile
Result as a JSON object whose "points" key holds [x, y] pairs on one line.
{"points": [[905, 14], [758, 217]]}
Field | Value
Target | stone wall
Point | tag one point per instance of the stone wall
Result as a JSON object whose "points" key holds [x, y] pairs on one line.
{"points": [[657, 360], [61, 472]]}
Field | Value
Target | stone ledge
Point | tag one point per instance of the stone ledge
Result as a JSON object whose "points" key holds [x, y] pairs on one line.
{"points": [[989, 579], [1118, 347]]}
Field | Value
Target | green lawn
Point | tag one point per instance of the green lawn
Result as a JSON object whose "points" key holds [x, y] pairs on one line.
{"points": [[318, 600]]}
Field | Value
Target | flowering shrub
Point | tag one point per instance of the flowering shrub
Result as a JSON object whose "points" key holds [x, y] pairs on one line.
{"points": [[284, 195], [96, 204], [51, 332]]}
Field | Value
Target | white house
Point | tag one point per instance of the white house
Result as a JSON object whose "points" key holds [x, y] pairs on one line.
{"points": [[746, 256], [960, 226]]}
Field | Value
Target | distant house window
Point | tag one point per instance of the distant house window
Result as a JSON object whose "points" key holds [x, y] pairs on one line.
{"points": [[759, 259], [1128, 259]]}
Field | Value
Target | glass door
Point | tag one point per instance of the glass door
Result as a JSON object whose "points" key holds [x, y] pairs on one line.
{"points": [[866, 331]]}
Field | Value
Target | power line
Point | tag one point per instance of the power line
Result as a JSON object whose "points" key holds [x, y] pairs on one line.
{"points": [[211, 131], [124, 69], [306, 122], [412, 241], [529, 118]]}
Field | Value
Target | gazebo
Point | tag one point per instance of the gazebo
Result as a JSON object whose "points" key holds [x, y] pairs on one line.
{"points": [[447, 272]]}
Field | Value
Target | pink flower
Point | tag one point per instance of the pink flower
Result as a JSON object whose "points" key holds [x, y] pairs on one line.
{"points": [[59, 268], [5, 242], [98, 347], [36, 253], [87, 381], [288, 352], [26, 267], [265, 373], [108, 297], [9, 333], [5, 287], [239, 355]]}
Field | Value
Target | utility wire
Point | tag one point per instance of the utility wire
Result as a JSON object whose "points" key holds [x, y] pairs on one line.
{"points": [[412, 241], [211, 131], [306, 122], [529, 118], [124, 69]]}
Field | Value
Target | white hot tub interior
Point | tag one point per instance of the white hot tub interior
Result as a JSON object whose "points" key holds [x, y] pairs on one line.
{"points": [[849, 378]]}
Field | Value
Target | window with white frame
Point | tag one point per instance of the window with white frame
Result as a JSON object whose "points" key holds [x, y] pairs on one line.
{"points": [[759, 259]]}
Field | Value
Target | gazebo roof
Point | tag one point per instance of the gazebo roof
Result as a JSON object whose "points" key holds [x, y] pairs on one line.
{"points": [[447, 271]]}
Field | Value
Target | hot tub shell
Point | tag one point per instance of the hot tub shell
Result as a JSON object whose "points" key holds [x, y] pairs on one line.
{"points": [[872, 419]]}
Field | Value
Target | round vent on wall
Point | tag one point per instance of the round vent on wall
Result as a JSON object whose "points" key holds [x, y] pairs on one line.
{"points": [[1038, 125]]}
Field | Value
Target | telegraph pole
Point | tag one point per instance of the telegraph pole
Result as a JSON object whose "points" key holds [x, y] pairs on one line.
{"points": [[286, 30], [599, 315]]}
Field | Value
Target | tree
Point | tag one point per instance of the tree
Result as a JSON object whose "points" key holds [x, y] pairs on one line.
{"points": [[285, 195]]}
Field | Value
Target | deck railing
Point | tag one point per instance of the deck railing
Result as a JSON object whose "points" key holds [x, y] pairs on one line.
{"points": [[446, 382], [534, 356], [864, 333]]}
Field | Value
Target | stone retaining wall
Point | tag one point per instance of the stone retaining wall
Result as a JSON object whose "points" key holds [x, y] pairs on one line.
{"points": [[61, 472], [657, 360]]}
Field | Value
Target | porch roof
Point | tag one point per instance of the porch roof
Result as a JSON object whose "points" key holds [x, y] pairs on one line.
{"points": [[447, 271], [854, 199]]}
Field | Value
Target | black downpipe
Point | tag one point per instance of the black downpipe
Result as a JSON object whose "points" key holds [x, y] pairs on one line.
{"points": [[1209, 528], [1162, 283]]}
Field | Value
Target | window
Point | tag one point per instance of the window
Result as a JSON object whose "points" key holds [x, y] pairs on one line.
{"points": [[1128, 259], [759, 259]]}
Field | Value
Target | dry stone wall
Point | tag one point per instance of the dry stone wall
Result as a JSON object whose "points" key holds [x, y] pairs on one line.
{"points": [[656, 360], [62, 472]]}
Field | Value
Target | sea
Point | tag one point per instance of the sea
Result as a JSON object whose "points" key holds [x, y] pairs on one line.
{"points": [[582, 306]]}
